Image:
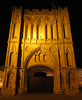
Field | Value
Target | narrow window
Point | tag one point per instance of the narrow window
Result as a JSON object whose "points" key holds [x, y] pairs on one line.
{"points": [[35, 58], [69, 79], [9, 80], [26, 30], [46, 32], [37, 31], [31, 31], [61, 81], [63, 27], [10, 59], [67, 59], [59, 58], [51, 31], [13, 30], [57, 28], [44, 58], [39, 57]]}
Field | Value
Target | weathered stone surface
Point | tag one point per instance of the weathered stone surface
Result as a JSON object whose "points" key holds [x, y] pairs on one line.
{"points": [[42, 42]]}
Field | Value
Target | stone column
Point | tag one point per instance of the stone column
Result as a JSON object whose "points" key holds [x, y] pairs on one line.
{"points": [[67, 27], [43, 34], [25, 81], [41, 31], [54, 31], [65, 87], [48, 32], [41, 57], [34, 32], [71, 56], [76, 81], [56, 79], [29, 31], [60, 31], [62, 55], [21, 82], [24, 34]]}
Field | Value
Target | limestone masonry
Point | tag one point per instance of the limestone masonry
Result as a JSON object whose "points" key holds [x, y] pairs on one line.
{"points": [[40, 42]]}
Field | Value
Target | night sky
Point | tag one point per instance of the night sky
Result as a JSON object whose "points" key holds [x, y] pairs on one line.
{"points": [[75, 14]]}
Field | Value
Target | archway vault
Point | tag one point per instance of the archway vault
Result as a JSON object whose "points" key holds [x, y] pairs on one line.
{"points": [[40, 68], [40, 83], [41, 56]]}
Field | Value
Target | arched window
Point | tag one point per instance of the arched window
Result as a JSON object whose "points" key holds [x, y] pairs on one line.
{"points": [[44, 58], [9, 80], [59, 58], [71, 80], [61, 81], [67, 58], [36, 58], [10, 59], [40, 57]]}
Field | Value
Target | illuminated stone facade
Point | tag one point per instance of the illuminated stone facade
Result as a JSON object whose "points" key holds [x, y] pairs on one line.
{"points": [[79, 74], [40, 41], [1, 76]]}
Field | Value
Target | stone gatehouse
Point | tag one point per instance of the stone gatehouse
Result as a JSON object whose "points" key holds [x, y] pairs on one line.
{"points": [[40, 55]]}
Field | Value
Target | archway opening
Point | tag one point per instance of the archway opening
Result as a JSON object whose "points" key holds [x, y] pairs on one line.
{"points": [[40, 79], [40, 74]]}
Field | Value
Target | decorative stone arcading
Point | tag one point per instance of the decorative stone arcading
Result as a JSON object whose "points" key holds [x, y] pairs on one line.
{"points": [[46, 42]]}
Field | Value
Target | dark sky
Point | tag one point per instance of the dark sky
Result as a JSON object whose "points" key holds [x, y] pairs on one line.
{"points": [[75, 13]]}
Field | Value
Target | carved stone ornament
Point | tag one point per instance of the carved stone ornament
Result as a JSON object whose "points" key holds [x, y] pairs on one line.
{"points": [[40, 20], [52, 49], [13, 49], [29, 19], [28, 49], [16, 17], [49, 19], [69, 49]]}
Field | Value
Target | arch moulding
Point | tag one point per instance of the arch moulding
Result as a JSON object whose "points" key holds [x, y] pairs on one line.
{"points": [[48, 53]]}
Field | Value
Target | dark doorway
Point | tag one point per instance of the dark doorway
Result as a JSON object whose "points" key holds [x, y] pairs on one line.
{"points": [[40, 74], [40, 83]]}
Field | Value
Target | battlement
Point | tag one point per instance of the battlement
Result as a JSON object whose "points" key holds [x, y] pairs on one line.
{"points": [[45, 11], [40, 11]]}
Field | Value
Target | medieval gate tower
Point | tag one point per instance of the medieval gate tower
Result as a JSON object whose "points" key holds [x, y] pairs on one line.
{"points": [[40, 42]]}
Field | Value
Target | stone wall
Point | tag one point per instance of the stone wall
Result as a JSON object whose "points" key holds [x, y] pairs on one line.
{"points": [[79, 74], [40, 38], [1, 76]]}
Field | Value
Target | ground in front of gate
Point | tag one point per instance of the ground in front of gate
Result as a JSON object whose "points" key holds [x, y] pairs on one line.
{"points": [[47, 96]]}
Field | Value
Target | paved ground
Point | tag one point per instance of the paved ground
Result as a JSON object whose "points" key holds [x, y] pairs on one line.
{"points": [[42, 97]]}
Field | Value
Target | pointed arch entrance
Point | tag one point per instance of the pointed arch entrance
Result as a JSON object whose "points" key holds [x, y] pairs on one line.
{"points": [[40, 79], [34, 64]]}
